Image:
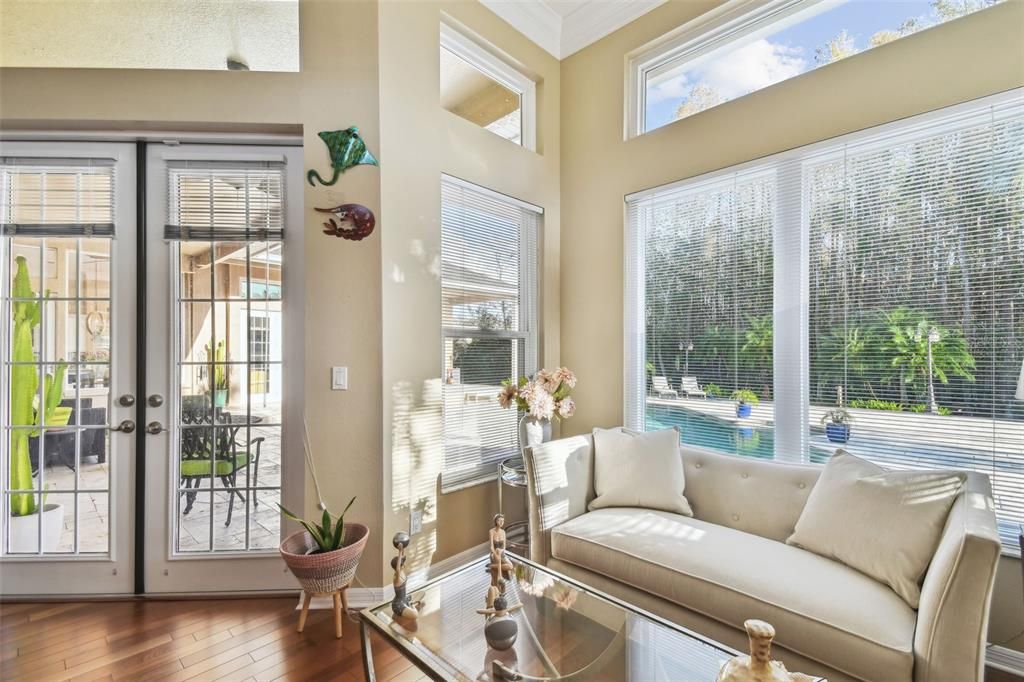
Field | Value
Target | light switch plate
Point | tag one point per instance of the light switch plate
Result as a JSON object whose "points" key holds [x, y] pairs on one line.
{"points": [[339, 378], [415, 522]]}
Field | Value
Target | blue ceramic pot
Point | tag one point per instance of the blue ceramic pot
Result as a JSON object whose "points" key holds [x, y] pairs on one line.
{"points": [[837, 433], [743, 410]]}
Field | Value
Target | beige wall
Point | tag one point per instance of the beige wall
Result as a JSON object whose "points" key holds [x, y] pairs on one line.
{"points": [[419, 142], [337, 87], [975, 56]]}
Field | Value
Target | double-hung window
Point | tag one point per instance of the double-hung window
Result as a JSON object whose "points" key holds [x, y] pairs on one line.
{"points": [[881, 273], [746, 45], [489, 323]]}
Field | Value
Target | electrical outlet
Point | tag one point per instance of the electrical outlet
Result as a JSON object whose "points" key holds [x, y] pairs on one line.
{"points": [[415, 522]]}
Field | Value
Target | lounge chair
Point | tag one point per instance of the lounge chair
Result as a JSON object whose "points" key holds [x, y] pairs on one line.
{"points": [[688, 386], [660, 388]]}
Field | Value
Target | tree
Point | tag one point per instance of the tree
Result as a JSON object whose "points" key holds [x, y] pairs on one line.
{"points": [[907, 346], [483, 359], [839, 47], [884, 36], [702, 96]]}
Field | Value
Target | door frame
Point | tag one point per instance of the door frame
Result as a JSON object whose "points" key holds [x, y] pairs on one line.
{"points": [[166, 572], [293, 487], [111, 574]]}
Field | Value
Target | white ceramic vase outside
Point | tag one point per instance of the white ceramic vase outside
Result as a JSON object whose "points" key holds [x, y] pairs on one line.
{"points": [[533, 431], [24, 530]]}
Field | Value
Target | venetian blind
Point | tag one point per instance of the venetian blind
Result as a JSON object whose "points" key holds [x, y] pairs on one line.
{"points": [[230, 201], [489, 323], [700, 273], [53, 197], [916, 303]]}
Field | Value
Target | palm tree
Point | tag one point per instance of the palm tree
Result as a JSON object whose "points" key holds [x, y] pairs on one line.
{"points": [[907, 344], [759, 346]]}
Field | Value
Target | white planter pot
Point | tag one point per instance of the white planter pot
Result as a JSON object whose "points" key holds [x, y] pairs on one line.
{"points": [[533, 431], [24, 530]]}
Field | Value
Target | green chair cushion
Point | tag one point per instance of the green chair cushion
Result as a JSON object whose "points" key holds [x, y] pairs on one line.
{"points": [[225, 467]]}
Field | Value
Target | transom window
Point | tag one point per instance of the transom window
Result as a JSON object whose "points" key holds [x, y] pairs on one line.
{"points": [[744, 46], [881, 274], [489, 323]]}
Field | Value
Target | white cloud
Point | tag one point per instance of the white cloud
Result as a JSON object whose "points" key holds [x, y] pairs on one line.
{"points": [[752, 67], [675, 89]]}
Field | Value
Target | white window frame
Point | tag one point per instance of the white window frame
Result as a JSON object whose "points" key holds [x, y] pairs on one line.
{"points": [[529, 306], [498, 67], [791, 296]]}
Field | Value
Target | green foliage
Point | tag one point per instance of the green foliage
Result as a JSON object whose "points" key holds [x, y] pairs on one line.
{"points": [[907, 343], [328, 533], [744, 396], [25, 409], [714, 390], [219, 356], [874, 404], [836, 415]]}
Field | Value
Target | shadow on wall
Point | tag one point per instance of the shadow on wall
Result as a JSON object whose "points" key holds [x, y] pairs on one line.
{"points": [[417, 456]]}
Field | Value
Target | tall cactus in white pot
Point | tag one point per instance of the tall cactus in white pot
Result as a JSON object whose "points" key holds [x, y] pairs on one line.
{"points": [[26, 411]]}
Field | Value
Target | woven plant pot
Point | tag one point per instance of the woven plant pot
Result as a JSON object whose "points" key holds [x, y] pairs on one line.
{"points": [[327, 572]]}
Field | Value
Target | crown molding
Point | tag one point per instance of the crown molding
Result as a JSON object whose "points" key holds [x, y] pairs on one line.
{"points": [[596, 19], [534, 19], [562, 36]]}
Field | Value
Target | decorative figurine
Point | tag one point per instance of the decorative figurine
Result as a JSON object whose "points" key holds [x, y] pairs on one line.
{"points": [[401, 606], [500, 567], [347, 149], [758, 666], [360, 221], [501, 629]]}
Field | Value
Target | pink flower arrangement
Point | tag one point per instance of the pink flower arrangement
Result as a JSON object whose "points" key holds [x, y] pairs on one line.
{"points": [[545, 396]]}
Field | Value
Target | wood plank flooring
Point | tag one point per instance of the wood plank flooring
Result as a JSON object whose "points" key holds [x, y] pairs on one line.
{"points": [[233, 640]]}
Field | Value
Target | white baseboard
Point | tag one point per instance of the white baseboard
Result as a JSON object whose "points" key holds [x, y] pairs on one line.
{"points": [[362, 597], [1007, 660]]}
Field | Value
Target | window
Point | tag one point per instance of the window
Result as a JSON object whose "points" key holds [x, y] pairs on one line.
{"points": [[485, 89], [898, 284], [489, 323], [746, 45]]}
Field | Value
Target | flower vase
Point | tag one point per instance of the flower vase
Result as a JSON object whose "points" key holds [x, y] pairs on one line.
{"points": [[533, 431]]}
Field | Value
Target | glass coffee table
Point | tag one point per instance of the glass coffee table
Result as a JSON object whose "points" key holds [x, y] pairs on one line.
{"points": [[567, 631]]}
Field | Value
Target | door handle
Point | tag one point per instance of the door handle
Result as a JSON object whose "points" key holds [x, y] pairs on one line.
{"points": [[126, 426], [153, 428]]}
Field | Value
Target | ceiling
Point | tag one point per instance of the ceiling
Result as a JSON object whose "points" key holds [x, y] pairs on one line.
{"points": [[563, 27]]}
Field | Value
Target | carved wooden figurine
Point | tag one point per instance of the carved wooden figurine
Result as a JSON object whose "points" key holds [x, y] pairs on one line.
{"points": [[500, 566], [758, 666], [401, 606]]}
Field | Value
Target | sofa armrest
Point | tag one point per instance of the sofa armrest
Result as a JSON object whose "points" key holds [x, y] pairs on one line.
{"points": [[559, 485], [952, 619]]}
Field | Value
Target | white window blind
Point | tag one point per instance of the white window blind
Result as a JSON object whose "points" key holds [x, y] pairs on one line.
{"points": [[489, 323], [706, 294], [234, 200], [881, 272], [54, 197]]}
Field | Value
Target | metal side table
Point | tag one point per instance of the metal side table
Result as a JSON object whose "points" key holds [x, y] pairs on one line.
{"points": [[512, 473]]}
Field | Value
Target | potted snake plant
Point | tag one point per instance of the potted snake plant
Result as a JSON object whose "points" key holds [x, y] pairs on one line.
{"points": [[837, 425], [325, 554]]}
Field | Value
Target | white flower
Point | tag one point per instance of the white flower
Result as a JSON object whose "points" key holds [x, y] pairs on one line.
{"points": [[566, 408], [542, 405], [564, 374], [507, 395]]}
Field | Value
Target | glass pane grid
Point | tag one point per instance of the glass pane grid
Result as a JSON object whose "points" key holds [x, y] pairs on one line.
{"points": [[230, 367], [59, 441]]}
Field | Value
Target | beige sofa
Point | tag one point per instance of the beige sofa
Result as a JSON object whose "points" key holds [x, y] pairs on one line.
{"points": [[730, 562]]}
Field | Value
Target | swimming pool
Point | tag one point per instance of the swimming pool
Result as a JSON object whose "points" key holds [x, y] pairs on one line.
{"points": [[710, 432]]}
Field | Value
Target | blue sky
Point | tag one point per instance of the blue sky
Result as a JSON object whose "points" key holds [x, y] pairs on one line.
{"points": [[787, 53]]}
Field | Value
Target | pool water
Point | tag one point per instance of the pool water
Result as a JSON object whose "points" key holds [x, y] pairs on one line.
{"points": [[716, 434]]}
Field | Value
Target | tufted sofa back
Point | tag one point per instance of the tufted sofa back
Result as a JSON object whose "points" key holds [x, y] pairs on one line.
{"points": [[752, 495]]}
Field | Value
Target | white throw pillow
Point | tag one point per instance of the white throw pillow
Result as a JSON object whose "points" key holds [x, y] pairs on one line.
{"points": [[633, 469], [885, 524]]}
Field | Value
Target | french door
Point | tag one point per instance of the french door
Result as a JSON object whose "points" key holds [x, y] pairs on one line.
{"points": [[148, 454]]}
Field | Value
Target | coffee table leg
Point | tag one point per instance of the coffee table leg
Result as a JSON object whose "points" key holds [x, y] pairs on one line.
{"points": [[364, 632]]}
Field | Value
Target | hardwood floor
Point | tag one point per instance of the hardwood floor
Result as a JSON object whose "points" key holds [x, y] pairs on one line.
{"points": [[232, 640]]}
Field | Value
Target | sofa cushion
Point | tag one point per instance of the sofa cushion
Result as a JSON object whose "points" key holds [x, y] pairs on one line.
{"points": [[639, 469], [820, 608], [883, 523]]}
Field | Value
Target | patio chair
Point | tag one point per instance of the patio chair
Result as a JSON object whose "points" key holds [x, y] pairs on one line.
{"points": [[688, 386], [661, 388], [210, 447]]}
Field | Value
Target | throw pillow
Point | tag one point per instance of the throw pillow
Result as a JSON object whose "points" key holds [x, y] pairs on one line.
{"points": [[885, 524], [634, 469]]}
